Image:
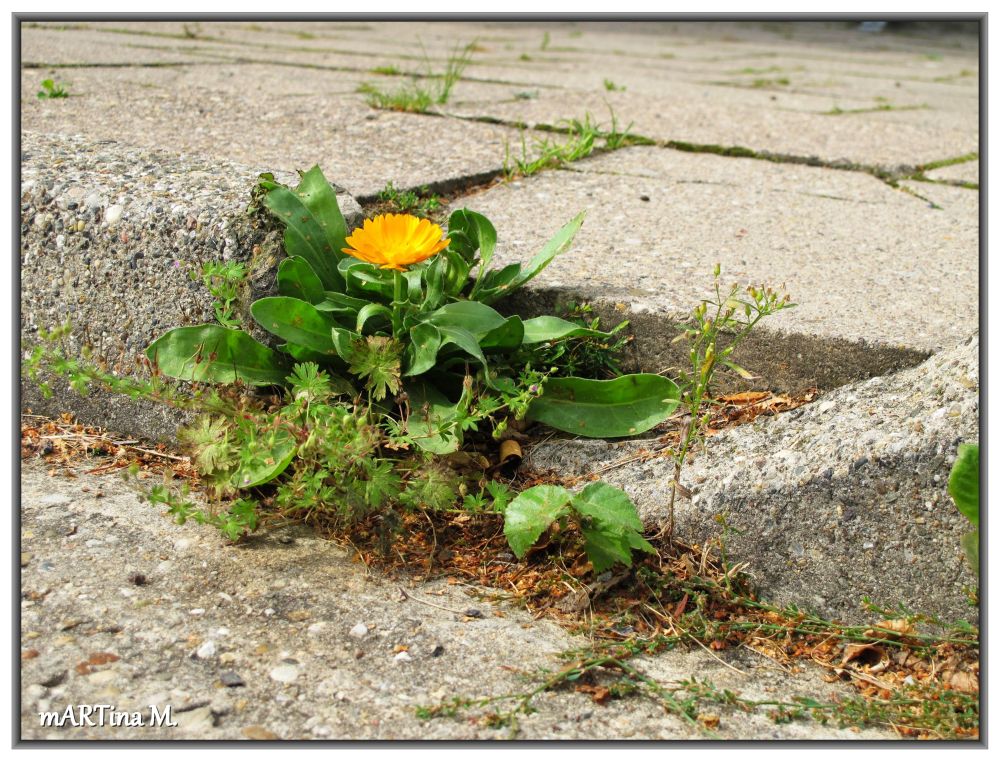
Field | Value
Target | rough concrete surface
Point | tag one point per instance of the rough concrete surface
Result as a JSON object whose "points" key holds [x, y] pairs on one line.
{"points": [[841, 499], [145, 172], [285, 637], [862, 260]]}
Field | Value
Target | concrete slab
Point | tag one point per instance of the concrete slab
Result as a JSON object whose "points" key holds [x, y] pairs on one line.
{"points": [[967, 171], [259, 640], [863, 261], [712, 115], [193, 112], [838, 500]]}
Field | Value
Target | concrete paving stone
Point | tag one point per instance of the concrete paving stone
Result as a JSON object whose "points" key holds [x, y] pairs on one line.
{"points": [[362, 147], [838, 500], [701, 114], [336, 694], [967, 171], [863, 262], [47, 45]]}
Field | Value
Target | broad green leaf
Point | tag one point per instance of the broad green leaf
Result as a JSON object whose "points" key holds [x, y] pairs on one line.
{"points": [[314, 227], [506, 337], [214, 354], [624, 406], [297, 279], [478, 229], [425, 340], [478, 319], [464, 340], [366, 278], [609, 505], [368, 311], [296, 321], [343, 342], [434, 281], [531, 512], [267, 461], [340, 303], [302, 354], [963, 483], [431, 422], [539, 329], [495, 284], [605, 548]]}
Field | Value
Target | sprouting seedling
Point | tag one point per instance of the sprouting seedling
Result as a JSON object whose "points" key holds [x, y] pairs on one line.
{"points": [[52, 90]]}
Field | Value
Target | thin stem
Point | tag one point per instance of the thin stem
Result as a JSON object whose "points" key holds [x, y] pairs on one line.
{"points": [[397, 303]]}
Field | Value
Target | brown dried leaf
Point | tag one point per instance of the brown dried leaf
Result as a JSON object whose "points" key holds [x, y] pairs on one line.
{"points": [[865, 654]]}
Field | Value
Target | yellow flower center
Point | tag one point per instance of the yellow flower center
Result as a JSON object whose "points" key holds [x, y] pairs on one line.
{"points": [[395, 241]]}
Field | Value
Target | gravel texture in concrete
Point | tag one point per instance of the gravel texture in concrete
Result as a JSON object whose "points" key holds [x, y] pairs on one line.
{"points": [[285, 638], [840, 499]]}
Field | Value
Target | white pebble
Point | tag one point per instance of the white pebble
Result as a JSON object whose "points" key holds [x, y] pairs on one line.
{"points": [[113, 214], [285, 673], [403, 656], [359, 631], [197, 611], [207, 649]]}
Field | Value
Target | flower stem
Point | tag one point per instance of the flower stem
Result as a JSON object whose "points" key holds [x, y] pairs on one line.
{"points": [[397, 303]]}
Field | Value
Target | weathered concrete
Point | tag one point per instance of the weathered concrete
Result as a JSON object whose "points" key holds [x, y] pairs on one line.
{"points": [[864, 262], [276, 615], [841, 499], [113, 239], [967, 171]]}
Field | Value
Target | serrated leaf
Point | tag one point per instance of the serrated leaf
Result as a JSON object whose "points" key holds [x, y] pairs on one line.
{"points": [[609, 505], [605, 548], [214, 354], [529, 514]]}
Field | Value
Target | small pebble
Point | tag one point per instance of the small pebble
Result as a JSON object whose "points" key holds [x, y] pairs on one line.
{"points": [[207, 650], [359, 631], [231, 679], [286, 673], [403, 656]]}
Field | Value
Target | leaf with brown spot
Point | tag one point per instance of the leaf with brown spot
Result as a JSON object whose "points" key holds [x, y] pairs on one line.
{"points": [[598, 693]]}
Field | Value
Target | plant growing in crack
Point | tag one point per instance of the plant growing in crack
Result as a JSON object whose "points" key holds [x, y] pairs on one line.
{"points": [[733, 314]]}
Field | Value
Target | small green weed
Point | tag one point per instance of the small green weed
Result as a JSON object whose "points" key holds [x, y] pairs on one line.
{"points": [[52, 90], [421, 204], [223, 280], [388, 71], [414, 97], [612, 87]]}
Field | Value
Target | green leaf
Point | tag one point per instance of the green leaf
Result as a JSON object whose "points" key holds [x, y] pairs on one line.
{"points": [[609, 505], [478, 319], [963, 483], [214, 354], [267, 461], [506, 337], [478, 230], [314, 227], [340, 303], [366, 278], [624, 406], [529, 514], [371, 310], [432, 420], [556, 245], [539, 329], [605, 548], [297, 279], [296, 321], [970, 543], [425, 340]]}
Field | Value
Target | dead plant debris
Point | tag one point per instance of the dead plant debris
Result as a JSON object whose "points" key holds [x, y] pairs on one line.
{"points": [[682, 596]]}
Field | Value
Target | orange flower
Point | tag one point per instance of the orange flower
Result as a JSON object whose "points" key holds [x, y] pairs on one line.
{"points": [[395, 241]]}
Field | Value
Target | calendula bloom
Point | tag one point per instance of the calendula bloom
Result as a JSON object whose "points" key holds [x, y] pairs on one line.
{"points": [[395, 241]]}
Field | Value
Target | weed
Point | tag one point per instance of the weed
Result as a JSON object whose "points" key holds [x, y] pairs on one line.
{"points": [[731, 314], [580, 141], [388, 71], [612, 87], [546, 39], [223, 280], [414, 97], [422, 204], [52, 90]]}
